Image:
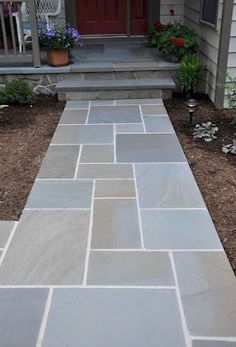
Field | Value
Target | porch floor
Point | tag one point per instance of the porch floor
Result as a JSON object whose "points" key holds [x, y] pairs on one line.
{"points": [[107, 55], [115, 246]]}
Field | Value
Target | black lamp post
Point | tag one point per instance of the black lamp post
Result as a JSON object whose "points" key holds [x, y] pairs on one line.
{"points": [[192, 107]]}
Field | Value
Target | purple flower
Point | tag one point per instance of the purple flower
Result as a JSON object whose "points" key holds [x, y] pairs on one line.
{"points": [[50, 33]]}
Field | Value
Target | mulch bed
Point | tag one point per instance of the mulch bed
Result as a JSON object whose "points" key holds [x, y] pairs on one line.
{"points": [[24, 139], [214, 171]]}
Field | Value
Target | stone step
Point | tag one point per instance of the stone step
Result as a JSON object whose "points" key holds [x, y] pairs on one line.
{"points": [[115, 89]]}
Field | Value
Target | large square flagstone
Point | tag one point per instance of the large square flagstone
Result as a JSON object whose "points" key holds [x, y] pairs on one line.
{"points": [[179, 229], [160, 124], [167, 186], [114, 317], [130, 268], [48, 248], [21, 313], [83, 134], [59, 162], [207, 286], [60, 194], [114, 114], [143, 148], [115, 224]]}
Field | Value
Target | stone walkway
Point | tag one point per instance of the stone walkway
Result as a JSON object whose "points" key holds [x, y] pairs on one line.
{"points": [[115, 246]]}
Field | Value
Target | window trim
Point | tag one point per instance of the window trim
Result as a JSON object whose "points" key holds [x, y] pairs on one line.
{"points": [[209, 24]]}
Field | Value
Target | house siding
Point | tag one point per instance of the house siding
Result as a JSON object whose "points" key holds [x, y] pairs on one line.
{"points": [[208, 39], [231, 65], [166, 5]]}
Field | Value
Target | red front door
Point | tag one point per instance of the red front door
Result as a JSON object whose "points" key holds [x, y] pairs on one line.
{"points": [[139, 16], [97, 17]]}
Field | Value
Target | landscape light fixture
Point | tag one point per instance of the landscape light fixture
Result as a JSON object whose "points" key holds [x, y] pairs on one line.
{"points": [[192, 107]]}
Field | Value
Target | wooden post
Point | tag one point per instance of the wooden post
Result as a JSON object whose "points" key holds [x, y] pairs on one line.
{"points": [[34, 31]]}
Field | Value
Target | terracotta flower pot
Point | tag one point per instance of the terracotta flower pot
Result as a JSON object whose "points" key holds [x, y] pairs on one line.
{"points": [[58, 58]]}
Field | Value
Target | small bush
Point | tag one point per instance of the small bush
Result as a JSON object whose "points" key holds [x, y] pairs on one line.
{"points": [[17, 92], [230, 91], [191, 72]]}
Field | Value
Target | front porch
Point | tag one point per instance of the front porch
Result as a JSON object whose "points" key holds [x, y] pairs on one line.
{"points": [[100, 59]]}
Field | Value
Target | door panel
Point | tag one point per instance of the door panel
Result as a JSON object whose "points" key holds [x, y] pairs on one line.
{"points": [[102, 16], [139, 21]]}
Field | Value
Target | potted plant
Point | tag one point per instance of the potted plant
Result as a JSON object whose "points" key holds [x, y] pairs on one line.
{"points": [[191, 74], [58, 43]]}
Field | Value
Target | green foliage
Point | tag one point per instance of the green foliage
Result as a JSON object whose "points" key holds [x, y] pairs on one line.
{"points": [[191, 72], [17, 92], [173, 39], [230, 91]]}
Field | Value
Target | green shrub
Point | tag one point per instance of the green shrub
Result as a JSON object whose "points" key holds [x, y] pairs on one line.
{"points": [[17, 92], [191, 72], [173, 39]]}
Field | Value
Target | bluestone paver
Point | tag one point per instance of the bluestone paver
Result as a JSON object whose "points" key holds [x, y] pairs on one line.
{"points": [[114, 114], [72, 116], [160, 124], [115, 189], [129, 128], [59, 162], [153, 110], [115, 224], [214, 343], [21, 313], [60, 194], [130, 268], [105, 171], [114, 317], [167, 186], [5, 231], [179, 229], [97, 154], [83, 134], [48, 248], [148, 148], [207, 287]]}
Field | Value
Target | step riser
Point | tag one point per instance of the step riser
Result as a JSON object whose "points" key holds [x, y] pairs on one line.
{"points": [[114, 94]]}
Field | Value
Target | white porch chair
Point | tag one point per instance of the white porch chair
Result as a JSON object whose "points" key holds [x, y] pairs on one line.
{"points": [[46, 10]]}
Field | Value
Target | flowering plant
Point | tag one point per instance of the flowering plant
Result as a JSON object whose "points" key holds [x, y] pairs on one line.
{"points": [[59, 39], [173, 39]]}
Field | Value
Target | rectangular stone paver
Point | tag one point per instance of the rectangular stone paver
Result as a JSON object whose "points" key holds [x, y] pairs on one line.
{"points": [[72, 116], [179, 229], [160, 124], [129, 128], [97, 154], [108, 171], [59, 162], [114, 189], [21, 313], [77, 104], [130, 268], [83, 134], [5, 231], [167, 186], [114, 114], [48, 248], [60, 194], [207, 286], [113, 317], [148, 148], [115, 224], [154, 110], [140, 101]]}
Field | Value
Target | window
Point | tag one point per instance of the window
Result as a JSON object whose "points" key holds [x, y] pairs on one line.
{"points": [[209, 12]]}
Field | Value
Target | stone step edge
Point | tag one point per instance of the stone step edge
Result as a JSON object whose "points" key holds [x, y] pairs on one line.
{"points": [[125, 84]]}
